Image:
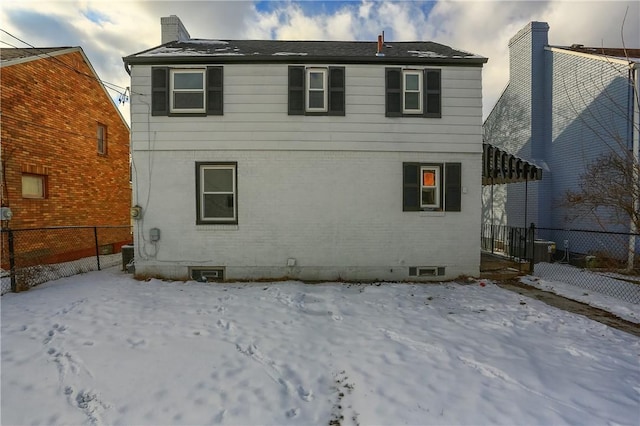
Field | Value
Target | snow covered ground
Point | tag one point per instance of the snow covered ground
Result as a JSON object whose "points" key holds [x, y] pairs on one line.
{"points": [[102, 348]]}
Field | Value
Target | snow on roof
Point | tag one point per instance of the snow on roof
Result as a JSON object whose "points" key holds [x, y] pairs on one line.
{"points": [[289, 54], [206, 41], [337, 51], [423, 54]]}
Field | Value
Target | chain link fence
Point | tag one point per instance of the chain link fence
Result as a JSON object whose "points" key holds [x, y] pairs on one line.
{"points": [[34, 256], [603, 262]]}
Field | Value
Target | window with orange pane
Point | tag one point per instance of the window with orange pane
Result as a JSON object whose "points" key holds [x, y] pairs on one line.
{"points": [[430, 187]]}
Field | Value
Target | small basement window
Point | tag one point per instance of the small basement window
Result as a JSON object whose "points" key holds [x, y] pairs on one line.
{"points": [[426, 271], [206, 275]]}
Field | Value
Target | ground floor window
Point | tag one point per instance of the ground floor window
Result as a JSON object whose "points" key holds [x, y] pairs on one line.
{"points": [[34, 186], [216, 193], [432, 187]]}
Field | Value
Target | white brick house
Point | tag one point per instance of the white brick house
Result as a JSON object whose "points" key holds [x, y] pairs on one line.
{"points": [[308, 160]]}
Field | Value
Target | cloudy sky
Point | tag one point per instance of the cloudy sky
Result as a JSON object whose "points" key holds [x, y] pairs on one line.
{"points": [[107, 30]]}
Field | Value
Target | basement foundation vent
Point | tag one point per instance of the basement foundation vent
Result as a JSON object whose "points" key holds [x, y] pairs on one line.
{"points": [[205, 275], [426, 271]]}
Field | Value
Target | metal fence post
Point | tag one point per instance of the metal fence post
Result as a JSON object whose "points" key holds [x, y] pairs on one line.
{"points": [[493, 238], [95, 236], [531, 245], [12, 261]]}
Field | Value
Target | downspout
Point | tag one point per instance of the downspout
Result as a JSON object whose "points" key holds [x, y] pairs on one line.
{"points": [[526, 198], [635, 164]]}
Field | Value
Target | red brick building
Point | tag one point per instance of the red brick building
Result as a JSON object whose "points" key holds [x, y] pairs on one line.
{"points": [[65, 145]]}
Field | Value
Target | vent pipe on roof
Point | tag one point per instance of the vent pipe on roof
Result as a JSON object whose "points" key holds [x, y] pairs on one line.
{"points": [[380, 43]]}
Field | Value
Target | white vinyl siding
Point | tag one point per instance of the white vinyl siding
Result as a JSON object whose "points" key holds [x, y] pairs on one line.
{"points": [[255, 116]]}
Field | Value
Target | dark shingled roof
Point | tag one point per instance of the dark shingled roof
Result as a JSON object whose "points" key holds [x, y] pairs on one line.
{"points": [[200, 51], [18, 53]]}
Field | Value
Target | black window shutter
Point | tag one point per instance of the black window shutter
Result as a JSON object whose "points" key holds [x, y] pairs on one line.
{"points": [[432, 94], [336, 91], [296, 90], [453, 187], [159, 91], [393, 92], [410, 187], [215, 83]]}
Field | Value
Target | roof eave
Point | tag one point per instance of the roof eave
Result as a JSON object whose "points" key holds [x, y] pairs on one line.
{"points": [[475, 61], [44, 54]]}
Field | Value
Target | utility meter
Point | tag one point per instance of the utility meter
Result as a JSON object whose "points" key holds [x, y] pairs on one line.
{"points": [[5, 213]]}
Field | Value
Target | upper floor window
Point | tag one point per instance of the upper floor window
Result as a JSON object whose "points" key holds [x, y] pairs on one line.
{"points": [[187, 91], [101, 139], [34, 186], [316, 90], [180, 91], [410, 92]]}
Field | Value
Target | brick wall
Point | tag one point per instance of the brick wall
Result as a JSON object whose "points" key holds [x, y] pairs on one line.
{"points": [[50, 113], [338, 214]]}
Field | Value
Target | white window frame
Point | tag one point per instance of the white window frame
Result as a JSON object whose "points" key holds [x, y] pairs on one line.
{"points": [[437, 186], [101, 143], [42, 186], [325, 89], [233, 192], [420, 91], [173, 90]]}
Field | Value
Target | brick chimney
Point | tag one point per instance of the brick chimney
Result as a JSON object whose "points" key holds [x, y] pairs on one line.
{"points": [[173, 29]]}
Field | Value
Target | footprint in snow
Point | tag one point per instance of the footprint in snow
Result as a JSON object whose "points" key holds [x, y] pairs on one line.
{"points": [[136, 343], [293, 413], [89, 402], [220, 417], [304, 394], [225, 325]]}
